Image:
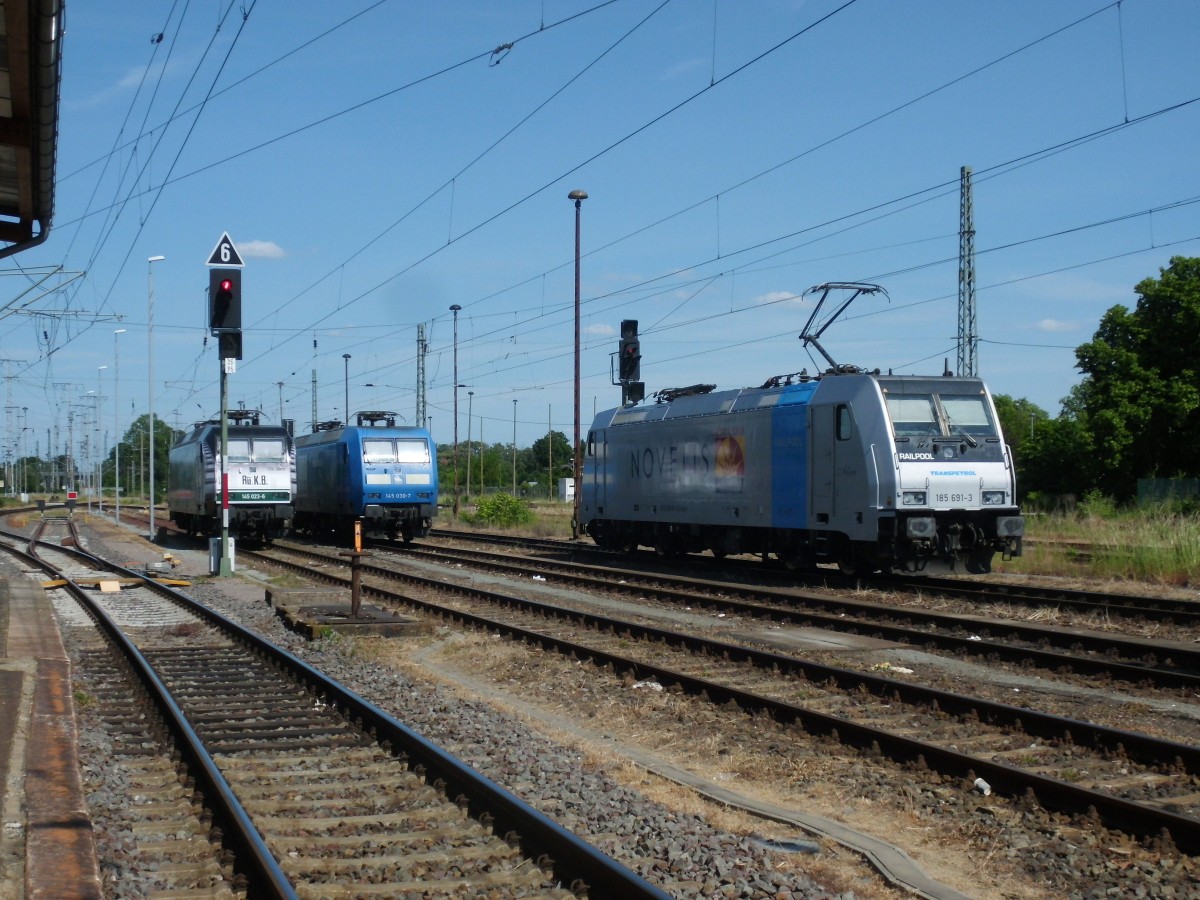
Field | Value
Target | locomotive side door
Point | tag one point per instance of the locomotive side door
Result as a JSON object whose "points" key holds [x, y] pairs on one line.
{"points": [[837, 484], [850, 490], [595, 471]]}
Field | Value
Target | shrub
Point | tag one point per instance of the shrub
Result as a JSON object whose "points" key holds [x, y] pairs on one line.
{"points": [[500, 510], [1095, 505]]}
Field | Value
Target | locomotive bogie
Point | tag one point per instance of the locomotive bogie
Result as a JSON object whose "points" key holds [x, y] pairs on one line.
{"points": [[869, 472]]}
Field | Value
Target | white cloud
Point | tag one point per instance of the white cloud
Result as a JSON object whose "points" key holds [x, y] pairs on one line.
{"points": [[261, 250], [1056, 325], [599, 330], [132, 78], [771, 297], [683, 68]]}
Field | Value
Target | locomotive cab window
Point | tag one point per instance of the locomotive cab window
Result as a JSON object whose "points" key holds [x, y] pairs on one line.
{"points": [[412, 451], [940, 415], [377, 451], [845, 423], [268, 450], [238, 450], [967, 414], [912, 416], [380, 451]]}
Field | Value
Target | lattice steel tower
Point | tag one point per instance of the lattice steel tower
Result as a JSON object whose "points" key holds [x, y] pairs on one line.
{"points": [[968, 332], [422, 346]]}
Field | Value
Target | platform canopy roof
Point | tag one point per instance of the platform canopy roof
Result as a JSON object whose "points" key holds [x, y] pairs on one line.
{"points": [[30, 69]]}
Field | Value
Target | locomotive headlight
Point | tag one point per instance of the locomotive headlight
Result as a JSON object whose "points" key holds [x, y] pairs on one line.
{"points": [[922, 527], [912, 498], [993, 498]]}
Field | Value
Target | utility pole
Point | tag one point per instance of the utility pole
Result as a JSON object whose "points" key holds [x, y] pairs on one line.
{"points": [[968, 332]]}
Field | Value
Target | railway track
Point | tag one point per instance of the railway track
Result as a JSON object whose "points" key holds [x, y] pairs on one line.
{"points": [[250, 769], [1046, 764], [743, 571], [1165, 665]]}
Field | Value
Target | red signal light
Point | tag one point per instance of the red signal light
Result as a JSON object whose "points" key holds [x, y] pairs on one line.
{"points": [[226, 285]]}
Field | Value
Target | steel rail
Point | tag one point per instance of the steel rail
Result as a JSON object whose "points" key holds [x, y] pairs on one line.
{"points": [[1183, 673], [1177, 611], [1059, 795], [252, 858], [580, 865]]}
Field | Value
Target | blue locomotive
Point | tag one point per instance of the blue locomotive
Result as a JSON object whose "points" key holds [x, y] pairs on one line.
{"points": [[869, 471], [261, 470], [375, 472]]}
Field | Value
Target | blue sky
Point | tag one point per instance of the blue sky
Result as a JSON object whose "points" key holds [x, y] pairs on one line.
{"points": [[376, 163]]}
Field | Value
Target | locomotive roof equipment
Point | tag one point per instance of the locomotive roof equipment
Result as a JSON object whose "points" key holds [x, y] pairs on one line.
{"points": [[808, 336]]}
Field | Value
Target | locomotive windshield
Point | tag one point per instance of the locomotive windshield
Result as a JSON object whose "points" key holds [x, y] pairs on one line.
{"points": [[940, 415], [243, 450], [269, 450], [412, 451], [377, 451]]}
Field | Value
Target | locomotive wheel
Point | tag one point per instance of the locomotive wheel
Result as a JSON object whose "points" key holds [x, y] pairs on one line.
{"points": [[980, 562], [848, 564], [795, 561], [852, 563]]}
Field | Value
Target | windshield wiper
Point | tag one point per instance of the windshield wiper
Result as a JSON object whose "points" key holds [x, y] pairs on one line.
{"points": [[971, 442]]}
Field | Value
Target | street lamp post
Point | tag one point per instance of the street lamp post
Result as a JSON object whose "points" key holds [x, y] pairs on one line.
{"points": [[99, 403], [24, 450], [578, 197], [346, 385], [470, 414], [150, 373], [117, 422], [454, 309]]}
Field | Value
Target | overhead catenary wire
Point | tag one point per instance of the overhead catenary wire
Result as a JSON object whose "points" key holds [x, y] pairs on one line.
{"points": [[484, 333]]}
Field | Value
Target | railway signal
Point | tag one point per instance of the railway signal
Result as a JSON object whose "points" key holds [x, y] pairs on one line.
{"points": [[630, 357], [225, 321], [225, 300], [629, 364]]}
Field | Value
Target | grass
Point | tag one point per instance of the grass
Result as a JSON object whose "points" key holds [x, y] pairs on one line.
{"points": [[1158, 545]]}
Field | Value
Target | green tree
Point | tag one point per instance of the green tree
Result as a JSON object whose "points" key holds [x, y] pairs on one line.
{"points": [[135, 456], [1018, 420], [550, 450], [1140, 392]]}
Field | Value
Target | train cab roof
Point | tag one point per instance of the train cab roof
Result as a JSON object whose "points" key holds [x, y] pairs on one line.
{"points": [[368, 423], [702, 400], [239, 426]]}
